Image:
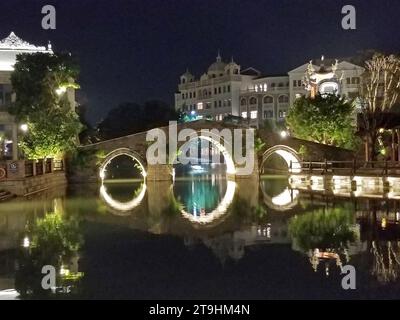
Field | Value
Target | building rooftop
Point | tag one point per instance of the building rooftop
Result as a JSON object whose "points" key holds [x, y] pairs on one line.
{"points": [[13, 45]]}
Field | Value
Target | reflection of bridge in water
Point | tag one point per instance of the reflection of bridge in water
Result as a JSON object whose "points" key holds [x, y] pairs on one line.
{"points": [[232, 234]]}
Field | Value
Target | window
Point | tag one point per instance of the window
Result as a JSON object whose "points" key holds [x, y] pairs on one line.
{"points": [[243, 102], [253, 114], [219, 89], [215, 104], [200, 106], [229, 102], [268, 99], [244, 115], [253, 100], [282, 114], [205, 93], [215, 90], [294, 83], [220, 103], [183, 96], [208, 105], [190, 95], [268, 114], [355, 80], [283, 99], [265, 87], [299, 83], [194, 94], [348, 80], [273, 85], [229, 88], [280, 85]]}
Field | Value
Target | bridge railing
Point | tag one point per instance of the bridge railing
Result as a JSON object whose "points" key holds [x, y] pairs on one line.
{"points": [[351, 167]]}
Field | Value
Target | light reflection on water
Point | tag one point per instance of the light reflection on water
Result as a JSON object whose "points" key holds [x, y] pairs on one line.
{"points": [[266, 226]]}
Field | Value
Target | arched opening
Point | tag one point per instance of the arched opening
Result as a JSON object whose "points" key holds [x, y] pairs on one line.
{"points": [[208, 154], [253, 101], [283, 99], [119, 162], [202, 169], [122, 207], [277, 194], [123, 184], [285, 155], [268, 100]]}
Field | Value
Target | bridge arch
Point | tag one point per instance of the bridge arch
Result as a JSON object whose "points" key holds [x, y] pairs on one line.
{"points": [[119, 208], [288, 154], [284, 201], [225, 149], [120, 152]]}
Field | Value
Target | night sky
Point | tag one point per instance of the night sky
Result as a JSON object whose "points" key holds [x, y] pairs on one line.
{"points": [[136, 50]]}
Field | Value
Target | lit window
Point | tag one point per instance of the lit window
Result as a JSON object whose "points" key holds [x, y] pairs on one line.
{"points": [[200, 106], [265, 87], [253, 114], [244, 115]]}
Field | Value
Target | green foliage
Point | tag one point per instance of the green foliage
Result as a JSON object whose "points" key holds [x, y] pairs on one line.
{"points": [[50, 135], [55, 236], [82, 158], [259, 145], [323, 229], [303, 151], [54, 240], [324, 119], [53, 124]]}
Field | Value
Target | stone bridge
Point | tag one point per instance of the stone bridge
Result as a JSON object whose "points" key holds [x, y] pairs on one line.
{"points": [[136, 146]]}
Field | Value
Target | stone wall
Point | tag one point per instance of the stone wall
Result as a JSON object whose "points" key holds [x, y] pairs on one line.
{"points": [[30, 185]]}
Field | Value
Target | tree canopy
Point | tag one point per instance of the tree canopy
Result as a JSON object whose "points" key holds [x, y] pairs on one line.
{"points": [[380, 95], [325, 119], [129, 118], [41, 82]]}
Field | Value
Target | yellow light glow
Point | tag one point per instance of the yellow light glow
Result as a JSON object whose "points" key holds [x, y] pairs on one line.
{"points": [[123, 207]]}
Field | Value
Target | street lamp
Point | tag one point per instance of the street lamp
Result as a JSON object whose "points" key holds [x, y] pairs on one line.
{"points": [[61, 90], [284, 134], [24, 127]]}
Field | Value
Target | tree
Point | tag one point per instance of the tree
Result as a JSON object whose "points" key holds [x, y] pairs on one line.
{"points": [[324, 119], [40, 82], [129, 118], [380, 93]]}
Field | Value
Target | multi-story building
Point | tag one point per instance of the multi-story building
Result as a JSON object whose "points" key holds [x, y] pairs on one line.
{"points": [[10, 47], [226, 89]]}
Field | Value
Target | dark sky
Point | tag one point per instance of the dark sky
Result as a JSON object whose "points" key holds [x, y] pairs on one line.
{"points": [[136, 50]]}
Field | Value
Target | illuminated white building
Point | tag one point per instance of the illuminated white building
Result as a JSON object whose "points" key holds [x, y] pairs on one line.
{"points": [[226, 89], [10, 47]]}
